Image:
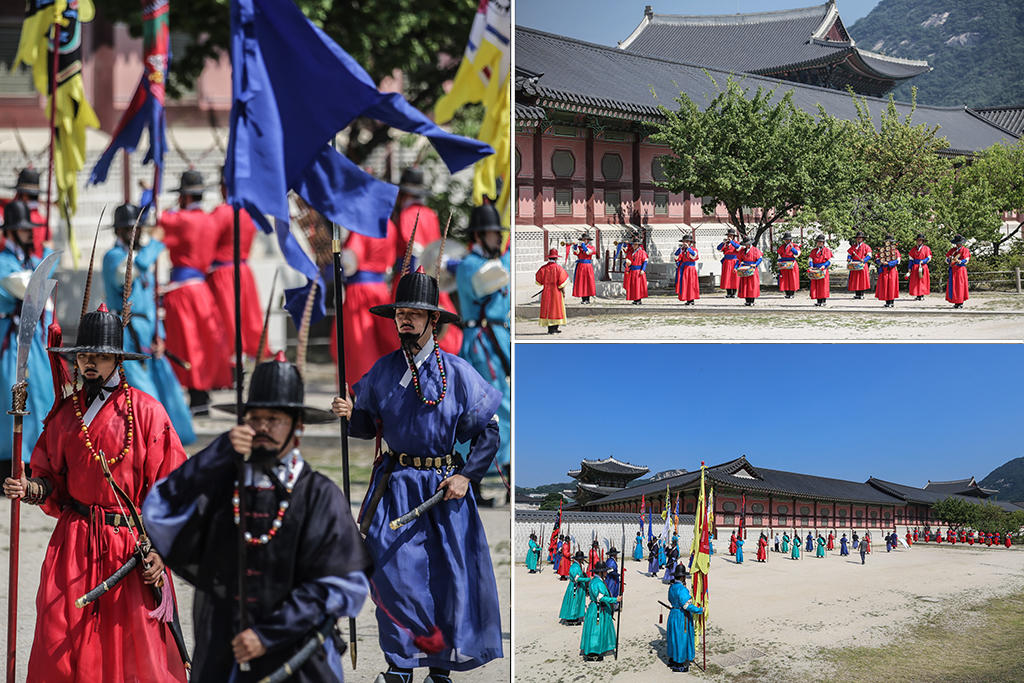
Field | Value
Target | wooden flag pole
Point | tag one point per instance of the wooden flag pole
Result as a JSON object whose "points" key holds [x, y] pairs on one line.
{"points": [[243, 610]]}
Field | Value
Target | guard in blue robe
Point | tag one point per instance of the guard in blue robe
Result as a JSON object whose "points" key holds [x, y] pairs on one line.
{"points": [[638, 549], [435, 572], [810, 543], [679, 631], [16, 266], [533, 554], [574, 602], [662, 557], [670, 565], [652, 557], [155, 375], [843, 550], [483, 278], [612, 579]]}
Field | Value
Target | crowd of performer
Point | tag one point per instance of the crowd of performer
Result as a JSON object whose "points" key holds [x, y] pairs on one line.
{"points": [[741, 260], [108, 462]]}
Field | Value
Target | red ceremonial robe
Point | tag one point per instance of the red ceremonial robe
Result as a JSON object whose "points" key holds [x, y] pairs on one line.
{"points": [[687, 286], [887, 287], [831, 541], [920, 278], [938, 537], [367, 336], [428, 230], [956, 288], [1008, 541], [732, 544], [910, 541], [595, 555], [729, 249], [820, 289], [789, 279], [750, 287], [950, 537], [762, 549], [222, 279], [563, 566], [583, 283], [552, 278], [195, 331], [114, 639], [859, 280], [635, 281]]}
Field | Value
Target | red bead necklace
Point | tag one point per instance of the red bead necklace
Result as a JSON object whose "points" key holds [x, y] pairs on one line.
{"points": [[416, 376], [129, 419], [282, 507]]}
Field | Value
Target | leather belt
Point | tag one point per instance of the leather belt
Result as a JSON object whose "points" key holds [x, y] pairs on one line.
{"points": [[427, 463], [114, 519]]}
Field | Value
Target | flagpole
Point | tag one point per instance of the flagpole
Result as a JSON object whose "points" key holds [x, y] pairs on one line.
{"points": [[55, 43], [339, 326], [243, 608]]}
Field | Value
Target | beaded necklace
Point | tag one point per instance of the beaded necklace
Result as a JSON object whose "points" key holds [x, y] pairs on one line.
{"points": [[416, 375], [129, 419], [282, 507]]}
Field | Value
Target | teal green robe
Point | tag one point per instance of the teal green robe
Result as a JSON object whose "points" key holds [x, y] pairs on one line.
{"points": [[796, 548], [599, 627], [821, 547], [785, 543], [532, 556], [574, 603]]}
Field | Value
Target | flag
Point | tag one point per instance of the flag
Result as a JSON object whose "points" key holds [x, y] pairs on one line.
{"points": [[483, 76], [146, 110], [668, 519], [293, 89], [643, 506], [558, 525], [668, 503], [700, 556], [675, 514], [73, 112], [650, 530]]}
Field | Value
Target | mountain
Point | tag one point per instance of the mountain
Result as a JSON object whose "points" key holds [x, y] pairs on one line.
{"points": [[1008, 479], [546, 488], [973, 47], [655, 478]]}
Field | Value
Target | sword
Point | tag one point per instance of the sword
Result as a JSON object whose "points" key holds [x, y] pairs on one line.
{"points": [[420, 509], [36, 295], [296, 661]]}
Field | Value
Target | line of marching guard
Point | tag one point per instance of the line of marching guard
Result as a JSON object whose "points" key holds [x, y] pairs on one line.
{"points": [[741, 260]]}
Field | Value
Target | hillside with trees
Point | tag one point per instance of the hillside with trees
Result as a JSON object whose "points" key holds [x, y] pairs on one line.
{"points": [[1008, 479], [973, 47]]}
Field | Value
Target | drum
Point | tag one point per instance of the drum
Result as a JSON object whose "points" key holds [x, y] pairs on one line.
{"points": [[745, 271], [787, 265], [855, 265], [817, 274]]}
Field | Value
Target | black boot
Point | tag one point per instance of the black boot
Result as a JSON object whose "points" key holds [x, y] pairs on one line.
{"points": [[750, 301], [730, 293], [858, 295], [438, 676], [199, 402]]}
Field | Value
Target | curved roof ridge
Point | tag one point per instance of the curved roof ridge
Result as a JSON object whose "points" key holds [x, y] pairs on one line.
{"points": [[741, 18], [612, 459], [894, 60], [968, 480]]}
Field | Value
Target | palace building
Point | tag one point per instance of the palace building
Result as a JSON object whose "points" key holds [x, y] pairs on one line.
{"points": [[598, 478]]}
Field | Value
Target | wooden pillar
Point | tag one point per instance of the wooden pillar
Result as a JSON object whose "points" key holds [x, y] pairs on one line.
{"points": [[538, 177], [589, 180], [636, 177]]}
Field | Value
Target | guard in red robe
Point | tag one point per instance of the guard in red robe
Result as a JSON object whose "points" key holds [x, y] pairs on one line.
{"points": [[970, 537], [412, 191], [687, 286], [956, 284], [963, 536], [919, 275], [222, 276], [27, 190], [819, 262], [950, 537], [938, 535], [988, 540], [368, 337], [635, 281], [583, 283], [789, 273], [195, 331], [750, 285], [593, 558], [566, 562], [858, 253], [116, 638], [729, 248], [910, 540], [732, 544], [762, 549], [552, 277], [887, 288], [831, 541], [1008, 541]]}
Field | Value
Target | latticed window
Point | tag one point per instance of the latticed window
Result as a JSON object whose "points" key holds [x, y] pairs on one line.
{"points": [[859, 514], [657, 170], [661, 204], [19, 82], [563, 163], [519, 161], [842, 514], [756, 520], [729, 506], [563, 202], [757, 507], [728, 520], [612, 203], [611, 166]]}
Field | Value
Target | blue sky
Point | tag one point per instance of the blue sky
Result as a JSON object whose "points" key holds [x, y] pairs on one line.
{"points": [[901, 412], [606, 22]]}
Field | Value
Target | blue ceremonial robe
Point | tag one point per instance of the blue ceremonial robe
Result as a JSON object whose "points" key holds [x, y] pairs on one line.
{"points": [[661, 554], [638, 550], [611, 579], [739, 551], [437, 569], [40, 382], [652, 560], [843, 550], [680, 624], [154, 376], [810, 543], [478, 347]]}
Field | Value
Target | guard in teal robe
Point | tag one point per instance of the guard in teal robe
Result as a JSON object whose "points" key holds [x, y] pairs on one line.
{"points": [[598, 637], [154, 376], [821, 547], [533, 554], [796, 547], [638, 549], [739, 551], [574, 602], [16, 266], [785, 543], [679, 632]]}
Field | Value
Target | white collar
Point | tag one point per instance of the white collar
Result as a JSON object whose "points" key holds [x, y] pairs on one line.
{"points": [[106, 392], [424, 353], [287, 470]]}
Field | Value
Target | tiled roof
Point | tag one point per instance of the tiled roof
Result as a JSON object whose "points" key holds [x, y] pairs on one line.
{"points": [[758, 43], [1010, 118], [611, 465], [525, 112], [572, 516], [929, 496], [582, 77]]}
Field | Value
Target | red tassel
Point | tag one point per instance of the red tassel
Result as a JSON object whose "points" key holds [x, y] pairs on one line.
{"points": [[431, 644], [165, 610]]}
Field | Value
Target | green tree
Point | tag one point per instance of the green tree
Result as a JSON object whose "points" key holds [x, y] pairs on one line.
{"points": [[956, 513], [551, 501], [423, 41], [755, 150]]}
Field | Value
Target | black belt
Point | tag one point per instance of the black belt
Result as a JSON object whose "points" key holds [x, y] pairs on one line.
{"points": [[434, 463], [114, 519]]}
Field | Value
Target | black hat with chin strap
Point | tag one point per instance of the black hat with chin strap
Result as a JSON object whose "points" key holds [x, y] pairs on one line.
{"points": [[416, 290], [277, 384], [100, 332]]}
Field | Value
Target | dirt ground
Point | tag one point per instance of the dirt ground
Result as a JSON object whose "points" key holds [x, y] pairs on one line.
{"points": [[769, 621], [985, 316]]}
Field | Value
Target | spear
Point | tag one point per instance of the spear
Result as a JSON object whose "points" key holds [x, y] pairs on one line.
{"points": [[243, 611], [618, 621]]}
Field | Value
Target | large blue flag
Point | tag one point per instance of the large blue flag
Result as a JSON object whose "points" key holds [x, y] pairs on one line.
{"points": [[293, 89]]}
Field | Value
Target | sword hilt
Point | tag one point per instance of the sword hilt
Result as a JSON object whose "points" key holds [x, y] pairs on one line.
{"points": [[19, 399]]}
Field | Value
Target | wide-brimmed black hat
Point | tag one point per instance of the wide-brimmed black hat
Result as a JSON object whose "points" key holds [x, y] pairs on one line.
{"points": [[819, 238], [957, 239], [412, 182], [613, 552], [890, 238], [17, 216], [787, 235], [921, 236], [28, 182], [125, 216], [100, 332], [731, 231], [686, 238], [483, 218], [416, 290], [594, 544], [533, 536], [746, 240], [860, 233], [191, 183], [277, 384], [680, 572], [579, 556], [599, 566]]}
